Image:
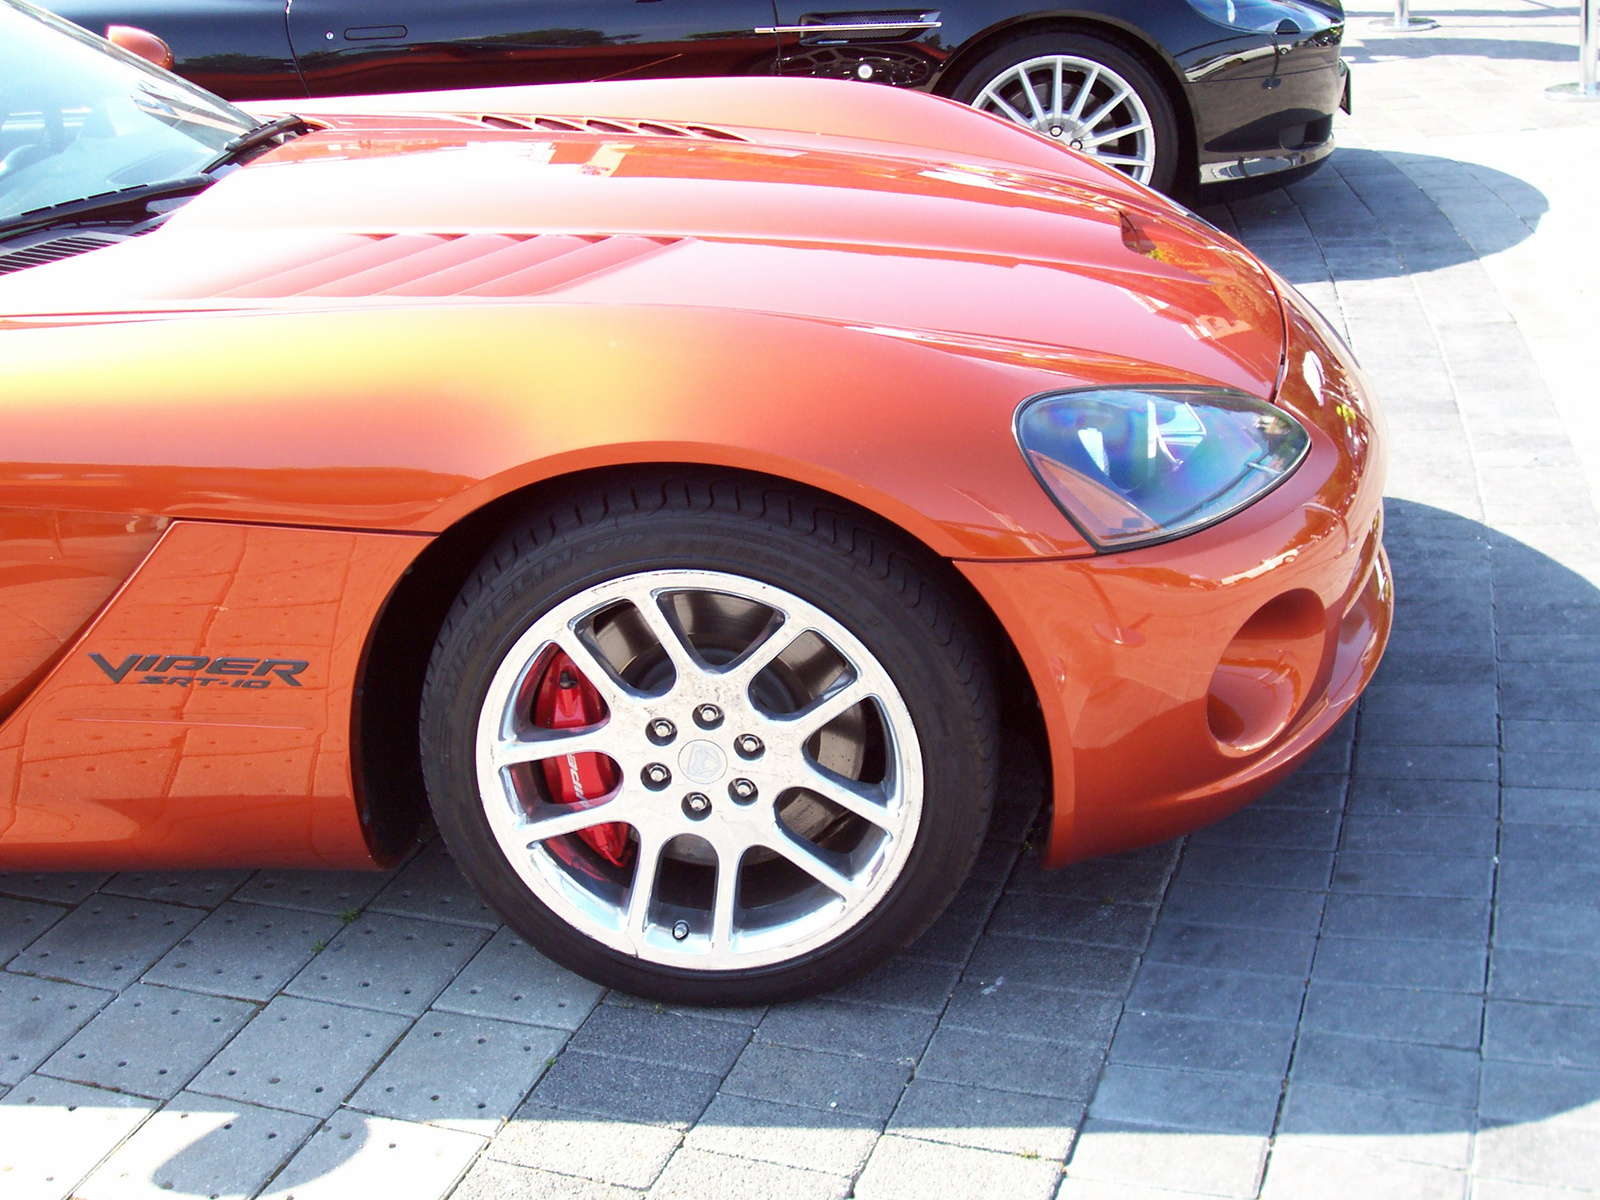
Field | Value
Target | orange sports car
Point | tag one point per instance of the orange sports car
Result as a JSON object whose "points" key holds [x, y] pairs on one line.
{"points": [[671, 485]]}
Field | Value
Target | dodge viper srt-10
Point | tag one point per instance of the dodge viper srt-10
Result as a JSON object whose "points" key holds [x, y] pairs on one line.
{"points": [[672, 485]]}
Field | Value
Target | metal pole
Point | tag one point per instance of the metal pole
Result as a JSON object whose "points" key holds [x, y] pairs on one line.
{"points": [[1588, 85], [1403, 21], [1589, 48]]}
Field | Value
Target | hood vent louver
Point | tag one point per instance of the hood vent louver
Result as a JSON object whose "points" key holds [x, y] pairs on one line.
{"points": [[429, 266], [56, 249], [610, 126]]}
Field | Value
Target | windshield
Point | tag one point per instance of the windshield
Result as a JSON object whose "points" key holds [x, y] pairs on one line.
{"points": [[80, 117]]}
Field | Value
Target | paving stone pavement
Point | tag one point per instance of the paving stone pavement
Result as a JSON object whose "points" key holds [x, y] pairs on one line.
{"points": [[1383, 980]]}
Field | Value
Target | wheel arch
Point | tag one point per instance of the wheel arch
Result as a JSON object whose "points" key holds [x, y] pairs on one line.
{"points": [[389, 787], [1121, 33]]}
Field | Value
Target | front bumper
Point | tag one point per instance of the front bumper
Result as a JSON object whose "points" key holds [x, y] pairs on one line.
{"points": [[1248, 167], [1264, 110], [1180, 681]]}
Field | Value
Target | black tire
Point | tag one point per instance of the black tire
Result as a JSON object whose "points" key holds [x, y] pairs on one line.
{"points": [[862, 575], [1107, 55]]}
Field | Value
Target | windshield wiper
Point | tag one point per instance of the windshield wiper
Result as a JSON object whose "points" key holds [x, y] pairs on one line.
{"points": [[236, 148], [135, 200], [106, 204]]}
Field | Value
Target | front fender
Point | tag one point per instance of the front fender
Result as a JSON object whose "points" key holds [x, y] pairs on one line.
{"points": [[406, 419]]}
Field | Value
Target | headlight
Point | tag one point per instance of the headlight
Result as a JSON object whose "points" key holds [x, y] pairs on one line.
{"points": [[1130, 466], [1265, 16]]}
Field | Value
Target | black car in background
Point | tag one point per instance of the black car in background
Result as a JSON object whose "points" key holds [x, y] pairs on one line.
{"points": [[1176, 93]]}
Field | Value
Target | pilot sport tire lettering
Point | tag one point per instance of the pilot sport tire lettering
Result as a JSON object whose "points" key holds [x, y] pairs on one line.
{"points": [[710, 741], [1086, 93]]}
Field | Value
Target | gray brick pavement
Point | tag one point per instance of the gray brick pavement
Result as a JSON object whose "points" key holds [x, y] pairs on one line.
{"points": [[1381, 980]]}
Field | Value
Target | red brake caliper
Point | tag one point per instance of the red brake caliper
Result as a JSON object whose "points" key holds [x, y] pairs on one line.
{"points": [[566, 700]]}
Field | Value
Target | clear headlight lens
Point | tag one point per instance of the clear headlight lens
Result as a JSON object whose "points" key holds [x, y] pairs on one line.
{"points": [[1265, 16], [1129, 466]]}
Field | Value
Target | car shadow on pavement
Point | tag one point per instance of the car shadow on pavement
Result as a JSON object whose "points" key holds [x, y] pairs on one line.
{"points": [[1371, 214], [1375, 215], [1388, 957]]}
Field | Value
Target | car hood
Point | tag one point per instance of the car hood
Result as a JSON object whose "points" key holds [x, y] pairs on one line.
{"points": [[1098, 277]]}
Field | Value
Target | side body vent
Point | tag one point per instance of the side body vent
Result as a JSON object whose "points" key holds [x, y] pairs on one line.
{"points": [[56, 249], [610, 126]]}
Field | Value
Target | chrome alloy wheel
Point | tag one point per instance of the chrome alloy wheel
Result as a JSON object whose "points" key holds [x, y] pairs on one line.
{"points": [[767, 771], [1081, 103]]}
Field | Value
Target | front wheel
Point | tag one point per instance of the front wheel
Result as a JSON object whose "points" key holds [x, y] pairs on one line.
{"points": [[1085, 93], [707, 748]]}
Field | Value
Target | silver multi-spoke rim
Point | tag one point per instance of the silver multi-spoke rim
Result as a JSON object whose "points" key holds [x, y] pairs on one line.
{"points": [[716, 880], [1081, 103]]}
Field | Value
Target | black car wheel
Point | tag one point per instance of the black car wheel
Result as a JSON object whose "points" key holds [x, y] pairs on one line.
{"points": [[709, 744], [1085, 93]]}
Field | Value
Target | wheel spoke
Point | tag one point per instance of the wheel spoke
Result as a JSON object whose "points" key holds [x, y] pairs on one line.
{"points": [[646, 862], [618, 697], [560, 820], [999, 102], [759, 657], [841, 700], [1105, 110], [1122, 160], [1101, 138], [852, 797], [812, 863], [1084, 90], [1057, 89], [725, 899], [665, 632], [1033, 97], [537, 745]]}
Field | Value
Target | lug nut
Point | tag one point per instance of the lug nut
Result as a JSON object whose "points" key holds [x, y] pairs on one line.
{"points": [[748, 745], [656, 776], [697, 806], [708, 716], [680, 930], [661, 731], [742, 791]]}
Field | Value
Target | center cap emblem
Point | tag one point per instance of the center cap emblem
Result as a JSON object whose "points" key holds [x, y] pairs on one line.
{"points": [[702, 761]]}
